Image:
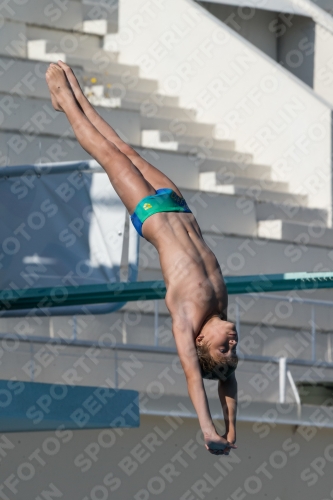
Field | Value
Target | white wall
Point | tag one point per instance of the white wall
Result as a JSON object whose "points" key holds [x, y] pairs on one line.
{"points": [[92, 465], [232, 84]]}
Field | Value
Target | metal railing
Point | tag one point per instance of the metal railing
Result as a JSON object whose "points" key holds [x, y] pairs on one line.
{"points": [[284, 363], [312, 303]]}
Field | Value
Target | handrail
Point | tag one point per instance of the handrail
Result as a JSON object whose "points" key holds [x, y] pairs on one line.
{"points": [[152, 349], [297, 300]]}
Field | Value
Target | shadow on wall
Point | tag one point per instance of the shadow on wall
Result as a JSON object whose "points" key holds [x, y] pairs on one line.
{"points": [[287, 38], [324, 4]]}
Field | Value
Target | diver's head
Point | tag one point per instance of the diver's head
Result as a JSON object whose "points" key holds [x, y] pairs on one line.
{"points": [[216, 348]]}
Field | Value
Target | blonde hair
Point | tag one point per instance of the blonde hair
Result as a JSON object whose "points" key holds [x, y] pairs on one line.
{"points": [[215, 369]]}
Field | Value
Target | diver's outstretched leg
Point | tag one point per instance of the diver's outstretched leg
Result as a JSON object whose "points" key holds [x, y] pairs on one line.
{"points": [[154, 176], [126, 178]]}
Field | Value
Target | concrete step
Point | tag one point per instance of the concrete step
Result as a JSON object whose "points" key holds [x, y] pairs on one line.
{"points": [[116, 102], [22, 149], [182, 160], [41, 48], [314, 233], [219, 214], [164, 139], [211, 179], [261, 194], [150, 110], [239, 255], [166, 159], [238, 169], [252, 191], [205, 143], [36, 49], [37, 116], [33, 116], [225, 154], [122, 82], [92, 61], [269, 210], [19, 149], [13, 39], [66, 41], [154, 98], [204, 163], [100, 17], [28, 77], [108, 102], [152, 138], [117, 91], [24, 77], [99, 27], [176, 125], [97, 97], [66, 15]]}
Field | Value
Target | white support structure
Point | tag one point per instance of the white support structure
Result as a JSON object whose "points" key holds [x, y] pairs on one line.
{"points": [[293, 387], [313, 333], [156, 321], [282, 379]]}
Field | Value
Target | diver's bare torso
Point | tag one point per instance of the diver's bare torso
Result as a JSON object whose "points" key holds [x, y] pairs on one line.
{"points": [[195, 286]]}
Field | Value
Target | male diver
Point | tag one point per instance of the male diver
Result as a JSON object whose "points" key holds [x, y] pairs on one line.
{"points": [[196, 295]]}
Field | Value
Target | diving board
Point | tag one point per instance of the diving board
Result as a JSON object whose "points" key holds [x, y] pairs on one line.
{"points": [[38, 298], [35, 406]]}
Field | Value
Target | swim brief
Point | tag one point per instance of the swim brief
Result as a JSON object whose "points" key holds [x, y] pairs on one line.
{"points": [[165, 200]]}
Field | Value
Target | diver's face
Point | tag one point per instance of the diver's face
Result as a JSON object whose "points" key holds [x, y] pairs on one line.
{"points": [[222, 338]]}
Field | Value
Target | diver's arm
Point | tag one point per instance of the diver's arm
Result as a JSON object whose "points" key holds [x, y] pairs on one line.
{"points": [[227, 391], [189, 360]]}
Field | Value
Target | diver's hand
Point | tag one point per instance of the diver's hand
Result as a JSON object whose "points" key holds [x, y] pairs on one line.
{"points": [[231, 438], [218, 445]]}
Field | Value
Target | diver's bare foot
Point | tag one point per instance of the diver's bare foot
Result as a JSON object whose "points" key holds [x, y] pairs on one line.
{"points": [[77, 91], [60, 91]]}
